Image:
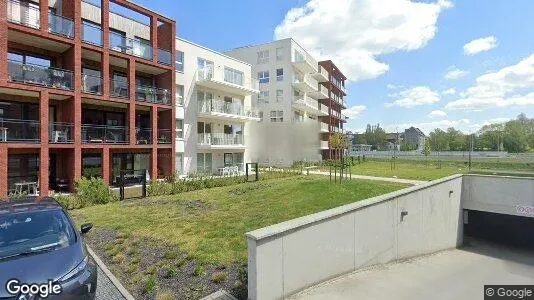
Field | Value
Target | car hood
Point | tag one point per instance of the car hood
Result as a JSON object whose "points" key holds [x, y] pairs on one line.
{"points": [[41, 267]]}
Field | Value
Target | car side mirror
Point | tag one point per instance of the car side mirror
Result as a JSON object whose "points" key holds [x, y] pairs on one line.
{"points": [[86, 227]]}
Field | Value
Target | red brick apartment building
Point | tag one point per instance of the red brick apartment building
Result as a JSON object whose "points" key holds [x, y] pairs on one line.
{"points": [[335, 102], [85, 90]]}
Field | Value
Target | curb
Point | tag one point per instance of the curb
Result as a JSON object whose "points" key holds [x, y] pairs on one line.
{"points": [[111, 277]]}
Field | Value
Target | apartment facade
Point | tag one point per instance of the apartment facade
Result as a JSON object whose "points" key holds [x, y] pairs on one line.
{"points": [[336, 103], [289, 102], [85, 90], [214, 111]]}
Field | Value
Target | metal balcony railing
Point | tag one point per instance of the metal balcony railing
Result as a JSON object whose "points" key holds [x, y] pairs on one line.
{"points": [[143, 136], [104, 134], [92, 34], [153, 94], [164, 136], [24, 13], [92, 84], [227, 76], [232, 108], [220, 139], [35, 74], [60, 25], [139, 48], [19, 131], [61, 133], [120, 88]]}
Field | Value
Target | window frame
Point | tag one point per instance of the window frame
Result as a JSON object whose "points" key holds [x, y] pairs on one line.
{"points": [[262, 78], [179, 63]]}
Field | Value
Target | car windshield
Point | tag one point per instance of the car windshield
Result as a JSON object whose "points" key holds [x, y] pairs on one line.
{"points": [[31, 232]]}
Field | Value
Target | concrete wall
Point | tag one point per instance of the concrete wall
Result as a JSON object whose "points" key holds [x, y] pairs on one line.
{"points": [[288, 257], [497, 194]]}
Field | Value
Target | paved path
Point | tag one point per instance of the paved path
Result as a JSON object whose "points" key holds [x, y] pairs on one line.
{"points": [[389, 179], [105, 290], [452, 274]]}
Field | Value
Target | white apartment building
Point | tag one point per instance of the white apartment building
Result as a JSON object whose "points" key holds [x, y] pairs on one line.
{"points": [[289, 129], [214, 113]]}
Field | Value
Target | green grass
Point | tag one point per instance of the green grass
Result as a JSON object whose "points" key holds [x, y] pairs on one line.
{"points": [[210, 224]]}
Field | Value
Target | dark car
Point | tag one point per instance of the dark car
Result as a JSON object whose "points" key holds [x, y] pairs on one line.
{"points": [[41, 248]]}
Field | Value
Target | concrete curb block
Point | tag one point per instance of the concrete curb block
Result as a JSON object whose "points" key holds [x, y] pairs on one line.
{"points": [[110, 275]]}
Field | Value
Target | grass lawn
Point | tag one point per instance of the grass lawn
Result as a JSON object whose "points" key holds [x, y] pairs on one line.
{"points": [[209, 225]]}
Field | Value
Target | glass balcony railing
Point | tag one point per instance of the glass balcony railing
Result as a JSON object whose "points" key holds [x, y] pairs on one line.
{"points": [[92, 84], [220, 139], [120, 88], [232, 108], [164, 136], [165, 57], [153, 94], [143, 136], [24, 13], [103, 134], [60, 25], [19, 131], [61, 133], [41, 75], [92, 34], [139, 48]]}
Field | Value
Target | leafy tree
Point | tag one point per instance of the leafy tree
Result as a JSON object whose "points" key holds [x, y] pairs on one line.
{"points": [[426, 148]]}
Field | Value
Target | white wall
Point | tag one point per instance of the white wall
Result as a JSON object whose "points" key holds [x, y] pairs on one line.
{"points": [[288, 257]]}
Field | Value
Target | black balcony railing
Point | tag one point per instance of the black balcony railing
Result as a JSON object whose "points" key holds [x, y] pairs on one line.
{"points": [[60, 25], [61, 133], [153, 95], [92, 34], [103, 134], [165, 57], [143, 136], [24, 13], [135, 47], [35, 74], [164, 136], [119, 88], [92, 84], [19, 131]]}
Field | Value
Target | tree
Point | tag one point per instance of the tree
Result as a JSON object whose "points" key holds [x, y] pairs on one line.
{"points": [[338, 141], [426, 148]]}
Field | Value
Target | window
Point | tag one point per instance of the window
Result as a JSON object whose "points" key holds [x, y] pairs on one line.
{"points": [[179, 61], [263, 97], [279, 54], [179, 128], [179, 163], [263, 76], [179, 95], [260, 114], [205, 68], [92, 165], [279, 74], [233, 76], [279, 95], [299, 117], [204, 163], [263, 57], [276, 116]]}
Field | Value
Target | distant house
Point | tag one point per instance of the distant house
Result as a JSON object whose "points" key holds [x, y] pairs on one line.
{"points": [[394, 141], [414, 136]]}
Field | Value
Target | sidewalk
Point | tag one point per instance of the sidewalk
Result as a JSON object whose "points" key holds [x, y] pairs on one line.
{"points": [[388, 179]]}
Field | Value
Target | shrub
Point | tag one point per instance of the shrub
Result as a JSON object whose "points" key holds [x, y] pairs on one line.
{"points": [[180, 262], [219, 277], [199, 270], [93, 191], [150, 284], [164, 296], [171, 255], [171, 272], [118, 259]]}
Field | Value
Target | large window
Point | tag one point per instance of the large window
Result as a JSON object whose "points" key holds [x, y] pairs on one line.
{"points": [[263, 57], [22, 168], [279, 74], [263, 76], [263, 97], [179, 61], [179, 95], [19, 111], [233, 76], [276, 116], [279, 95], [279, 53], [129, 162], [179, 129], [204, 163], [92, 165], [179, 163]]}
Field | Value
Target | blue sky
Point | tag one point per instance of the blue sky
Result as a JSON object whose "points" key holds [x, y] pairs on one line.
{"points": [[396, 52]]}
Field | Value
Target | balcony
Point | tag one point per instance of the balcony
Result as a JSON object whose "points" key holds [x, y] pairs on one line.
{"points": [[165, 57], [324, 109], [219, 109], [103, 134], [324, 145], [40, 75], [323, 127], [60, 25], [24, 13], [304, 83], [308, 105], [221, 141], [320, 93], [228, 82], [61, 133], [164, 136], [143, 136], [92, 34], [138, 48], [120, 88], [304, 62], [19, 131], [153, 94], [92, 84], [321, 75]]}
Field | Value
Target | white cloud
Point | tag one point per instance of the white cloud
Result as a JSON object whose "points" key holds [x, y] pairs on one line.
{"points": [[427, 127], [353, 33], [354, 111], [454, 73], [450, 91], [437, 114], [480, 45], [416, 96], [508, 87]]}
